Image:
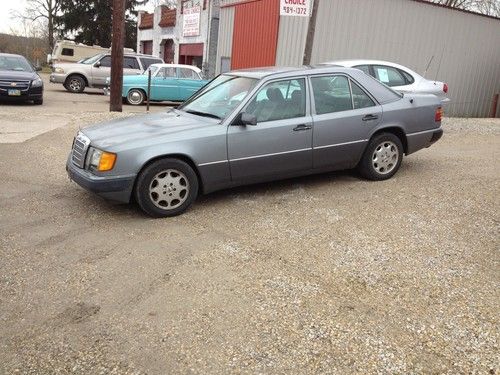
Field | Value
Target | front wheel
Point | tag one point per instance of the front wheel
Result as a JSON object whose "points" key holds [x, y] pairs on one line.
{"points": [[75, 84], [382, 157], [166, 187], [135, 97]]}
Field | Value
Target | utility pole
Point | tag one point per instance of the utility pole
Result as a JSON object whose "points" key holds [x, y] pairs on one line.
{"points": [[115, 101], [310, 34]]}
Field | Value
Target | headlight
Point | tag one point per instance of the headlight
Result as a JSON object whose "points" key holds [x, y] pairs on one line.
{"points": [[37, 82], [58, 70], [98, 160]]}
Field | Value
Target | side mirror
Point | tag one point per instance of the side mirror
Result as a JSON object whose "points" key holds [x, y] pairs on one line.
{"points": [[247, 119], [97, 64]]}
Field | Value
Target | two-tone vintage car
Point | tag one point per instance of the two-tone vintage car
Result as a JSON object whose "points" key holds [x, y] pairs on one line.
{"points": [[169, 82], [251, 126]]}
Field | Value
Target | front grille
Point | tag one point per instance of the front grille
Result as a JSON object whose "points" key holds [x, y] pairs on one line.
{"points": [[22, 85], [80, 147]]}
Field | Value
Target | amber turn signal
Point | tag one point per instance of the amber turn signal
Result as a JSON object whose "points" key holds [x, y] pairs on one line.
{"points": [[107, 162]]}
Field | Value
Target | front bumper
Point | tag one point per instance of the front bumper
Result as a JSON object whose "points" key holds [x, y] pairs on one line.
{"points": [[116, 188], [32, 93], [57, 77]]}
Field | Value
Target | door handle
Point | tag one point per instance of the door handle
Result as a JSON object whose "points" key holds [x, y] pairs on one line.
{"points": [[369, 117], [301, 127]]}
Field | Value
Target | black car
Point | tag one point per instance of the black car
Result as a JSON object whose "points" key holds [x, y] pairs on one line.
{"points": [[19, 81]]}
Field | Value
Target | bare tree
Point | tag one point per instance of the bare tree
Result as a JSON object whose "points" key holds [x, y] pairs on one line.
{"points": [[170, 3], [488, 7], [42, 10]]}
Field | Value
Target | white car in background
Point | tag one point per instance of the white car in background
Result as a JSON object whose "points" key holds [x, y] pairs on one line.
{"points": [[396, 76]]}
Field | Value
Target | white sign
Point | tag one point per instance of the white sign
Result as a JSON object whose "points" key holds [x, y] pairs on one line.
{"points": [[191, 21], [301, 8]]}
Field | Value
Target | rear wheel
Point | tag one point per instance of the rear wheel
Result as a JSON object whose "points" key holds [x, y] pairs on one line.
{"points": [[382, 157], [75, 84], [135, 97], [166, 187]]}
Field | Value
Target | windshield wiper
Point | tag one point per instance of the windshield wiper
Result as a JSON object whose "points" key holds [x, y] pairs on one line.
{"points": [[204, 114]]}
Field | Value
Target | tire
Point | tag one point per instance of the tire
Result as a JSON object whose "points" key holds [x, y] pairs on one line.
{"points": [[38, 101], [136, 97], [75, 84], [382, 157], [165, 188]]}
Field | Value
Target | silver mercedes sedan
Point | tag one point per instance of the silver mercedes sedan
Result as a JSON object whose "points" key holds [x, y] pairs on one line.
{"points": [[251, 126]]}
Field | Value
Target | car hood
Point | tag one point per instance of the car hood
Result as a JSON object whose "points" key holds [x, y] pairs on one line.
{"points": [[128, 131], [12, 74]]}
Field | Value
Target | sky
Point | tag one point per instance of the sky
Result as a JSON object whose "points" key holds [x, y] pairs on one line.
{"points": [[8, 6]]}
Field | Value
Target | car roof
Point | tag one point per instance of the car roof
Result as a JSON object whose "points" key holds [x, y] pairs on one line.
{"points": [[355, 62], [276, 71], [192, 67]]}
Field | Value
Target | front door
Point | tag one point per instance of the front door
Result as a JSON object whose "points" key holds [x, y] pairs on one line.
{"points": [[280, 144], [101, 70], [344, 116], [164, 84]]}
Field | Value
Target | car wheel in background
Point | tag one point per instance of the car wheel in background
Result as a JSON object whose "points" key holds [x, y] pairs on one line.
{"points": [[382, 157], [75, 84], [38, 101], [167, 187], [136, 97]]}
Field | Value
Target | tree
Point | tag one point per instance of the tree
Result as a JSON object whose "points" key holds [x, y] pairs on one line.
{"points": [[488, 7], [42, 10], [90, 21]]}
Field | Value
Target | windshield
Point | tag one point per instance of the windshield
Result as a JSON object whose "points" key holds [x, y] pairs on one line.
{"points": [[220, 96], [92, 59], [16, 63]]}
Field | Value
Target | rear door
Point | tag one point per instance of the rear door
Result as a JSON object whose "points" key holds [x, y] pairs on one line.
{"points": [[188, 82], [131, 66], [280, 143], [344, 115]]}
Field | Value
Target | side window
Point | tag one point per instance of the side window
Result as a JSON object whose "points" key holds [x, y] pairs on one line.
{"points": [[68, 52], [167, 72], [187, 73], [130, 63], [389, 75], [146, 62], [106, 62], [331, 94], [279, 101], [364, 68], [360, 98]]}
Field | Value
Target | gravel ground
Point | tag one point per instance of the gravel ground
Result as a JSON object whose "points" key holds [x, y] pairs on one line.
{"points": [[327, 274]]}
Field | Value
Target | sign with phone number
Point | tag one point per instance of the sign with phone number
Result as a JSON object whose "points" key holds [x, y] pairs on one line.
{"points": [[301, 8]]}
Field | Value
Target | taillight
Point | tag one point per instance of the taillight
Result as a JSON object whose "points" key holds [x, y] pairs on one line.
{"points": [[445, 88], [439, 114]]}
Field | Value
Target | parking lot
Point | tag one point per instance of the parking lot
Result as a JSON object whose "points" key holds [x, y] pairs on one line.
{"points": [[324, 274]]}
